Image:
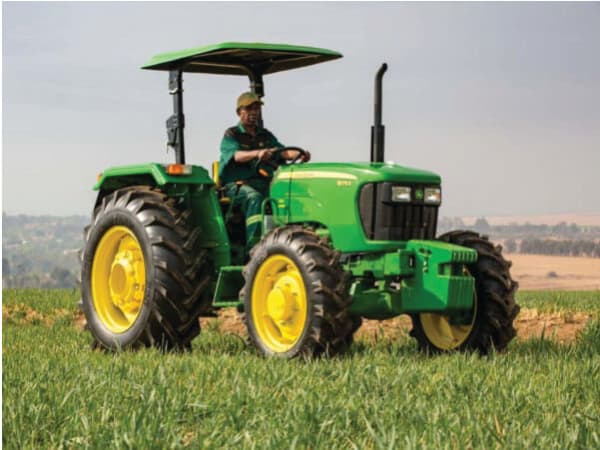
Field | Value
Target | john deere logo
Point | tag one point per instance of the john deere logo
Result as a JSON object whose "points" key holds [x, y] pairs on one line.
{"points": [[419, 194]]}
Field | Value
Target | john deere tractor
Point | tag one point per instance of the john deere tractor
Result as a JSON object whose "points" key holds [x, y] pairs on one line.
{"points": [[340, 242]]}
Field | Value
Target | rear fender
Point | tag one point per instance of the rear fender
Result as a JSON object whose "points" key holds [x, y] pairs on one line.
{"points": [[149, 174]]}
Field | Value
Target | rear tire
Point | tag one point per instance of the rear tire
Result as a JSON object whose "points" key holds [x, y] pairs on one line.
{"points": [[491, 324], [295, 296], [144, 279]]}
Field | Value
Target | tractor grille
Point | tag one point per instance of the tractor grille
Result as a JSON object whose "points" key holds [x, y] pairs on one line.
{"points": [[385, 220]]}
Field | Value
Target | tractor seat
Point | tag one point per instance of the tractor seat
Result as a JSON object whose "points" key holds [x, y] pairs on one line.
{"points": [[223, 199]]}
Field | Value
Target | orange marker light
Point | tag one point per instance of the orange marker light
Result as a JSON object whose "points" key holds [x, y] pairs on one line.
{"points": [[99, 177], [179, 169]]}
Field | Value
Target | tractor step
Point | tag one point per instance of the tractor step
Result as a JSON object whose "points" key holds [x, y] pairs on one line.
{"points": [[229, 283]]}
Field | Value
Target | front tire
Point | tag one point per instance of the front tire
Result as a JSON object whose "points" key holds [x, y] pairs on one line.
{"points": [[490, 324], [295, 296], [143, 277]]}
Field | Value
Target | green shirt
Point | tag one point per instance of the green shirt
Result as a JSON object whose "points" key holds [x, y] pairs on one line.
{"points": [[237, 139]]}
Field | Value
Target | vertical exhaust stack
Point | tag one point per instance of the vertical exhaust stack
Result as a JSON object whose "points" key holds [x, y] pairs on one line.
{"points": [[378, 130]]}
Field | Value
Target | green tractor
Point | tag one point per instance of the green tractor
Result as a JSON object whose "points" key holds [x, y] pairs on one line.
{"points": [[340, 242]]}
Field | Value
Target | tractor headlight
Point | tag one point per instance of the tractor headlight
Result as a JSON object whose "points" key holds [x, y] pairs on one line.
{"points": [[433, 196], [401, 194]]}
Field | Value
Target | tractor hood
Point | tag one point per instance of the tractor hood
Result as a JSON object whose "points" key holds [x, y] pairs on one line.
{"points": [[353, 202], [361, 172]]}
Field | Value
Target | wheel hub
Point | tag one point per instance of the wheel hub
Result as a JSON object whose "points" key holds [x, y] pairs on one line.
{"points": [[281, 301], [124, 281]]}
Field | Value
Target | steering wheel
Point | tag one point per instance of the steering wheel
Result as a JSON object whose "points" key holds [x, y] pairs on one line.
{"points": [[274, 155], [301, 153]]}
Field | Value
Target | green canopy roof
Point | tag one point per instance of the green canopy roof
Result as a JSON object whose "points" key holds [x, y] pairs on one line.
{"points": [[238, 58]]}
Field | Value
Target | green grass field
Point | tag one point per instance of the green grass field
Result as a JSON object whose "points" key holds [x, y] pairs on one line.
{"points": [[58, 393]]}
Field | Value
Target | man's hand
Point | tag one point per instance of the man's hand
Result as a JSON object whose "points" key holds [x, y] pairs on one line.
{"points": [[292, 155], [264, 154]]}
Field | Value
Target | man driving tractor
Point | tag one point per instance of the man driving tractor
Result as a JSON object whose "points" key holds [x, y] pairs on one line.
{"points": [[249, 156]]}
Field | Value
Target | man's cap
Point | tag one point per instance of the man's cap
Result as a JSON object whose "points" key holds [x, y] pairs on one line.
{"points": [[246, 99]]}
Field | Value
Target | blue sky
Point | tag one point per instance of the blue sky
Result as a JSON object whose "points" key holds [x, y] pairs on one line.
{"points": [[501, 99]]}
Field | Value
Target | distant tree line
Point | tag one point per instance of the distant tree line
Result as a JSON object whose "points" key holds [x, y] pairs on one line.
{"points": [[563, 230], [24, 277], [555, 247], [561, 239], [41, 251]]}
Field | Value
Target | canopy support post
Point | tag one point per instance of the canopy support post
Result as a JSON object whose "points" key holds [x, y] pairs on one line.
{"points": [[176, 122], [257, 87]]}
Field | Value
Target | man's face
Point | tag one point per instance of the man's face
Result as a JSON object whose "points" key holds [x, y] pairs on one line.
{"points": [[249, 115]]}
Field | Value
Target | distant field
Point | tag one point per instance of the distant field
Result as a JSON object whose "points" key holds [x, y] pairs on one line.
{"points": [[58, 393], [533, 272]]}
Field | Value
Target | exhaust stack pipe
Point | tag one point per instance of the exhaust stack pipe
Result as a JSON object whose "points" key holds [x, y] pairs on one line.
{"points": [[378, 130]]}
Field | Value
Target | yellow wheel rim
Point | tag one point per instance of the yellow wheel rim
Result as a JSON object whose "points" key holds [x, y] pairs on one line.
{"points": [[118, 279], [442, 333], [279, 306]]}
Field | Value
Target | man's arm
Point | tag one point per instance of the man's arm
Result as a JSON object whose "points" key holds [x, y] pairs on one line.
{"points": [[244, 156], [265, 154]]}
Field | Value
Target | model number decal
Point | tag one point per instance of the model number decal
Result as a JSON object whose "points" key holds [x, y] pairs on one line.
{"points": [[303, 175]]}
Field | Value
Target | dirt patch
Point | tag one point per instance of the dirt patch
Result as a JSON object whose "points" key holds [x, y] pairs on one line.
{"points": [[374, 330], [561, 327], [79, 320], [21, 314], [229, 321], [187, 438]]}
